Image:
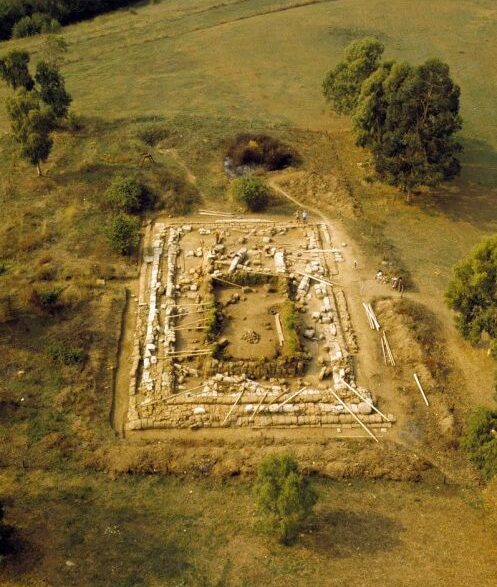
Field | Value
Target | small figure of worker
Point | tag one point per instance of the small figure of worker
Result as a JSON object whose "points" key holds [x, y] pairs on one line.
{"points": [[297, 216], [355, 264], [304, 216]]}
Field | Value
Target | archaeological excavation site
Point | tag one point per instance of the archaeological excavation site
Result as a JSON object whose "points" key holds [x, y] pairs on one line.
{"points": [[238, 324]]}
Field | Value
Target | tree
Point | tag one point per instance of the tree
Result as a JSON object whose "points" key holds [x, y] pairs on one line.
{"points": [[54, 50], [35, 24], [480, 441], [31, 125], [126, 194], [52, 89], [14, 70], [284, 498], [342, 85], [407, 116], [124, 233], [252, 192], [472, 293]]}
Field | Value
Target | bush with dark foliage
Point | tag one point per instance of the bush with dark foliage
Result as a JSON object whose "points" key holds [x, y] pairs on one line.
{"points": [[63, 11]]}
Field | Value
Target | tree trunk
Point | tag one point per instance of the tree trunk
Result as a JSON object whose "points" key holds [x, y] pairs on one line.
{"points": [[38, 169]]}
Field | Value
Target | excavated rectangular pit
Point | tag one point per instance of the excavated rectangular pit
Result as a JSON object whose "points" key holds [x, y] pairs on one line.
{"points": [[238, 324]]}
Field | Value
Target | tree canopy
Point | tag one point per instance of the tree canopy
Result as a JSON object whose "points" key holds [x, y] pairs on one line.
{"points": [[284, 498], [35, 108], [14, 70], [31, 124], [472, 292], [251, 191], [342, 85], [407, 116], [52, 88]]}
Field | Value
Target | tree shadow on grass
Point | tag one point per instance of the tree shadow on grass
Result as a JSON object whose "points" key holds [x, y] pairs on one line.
{"points": [[471, 198], [343, 533]]}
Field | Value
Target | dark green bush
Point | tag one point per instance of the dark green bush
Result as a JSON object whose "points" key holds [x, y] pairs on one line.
{"points": [[284, 498], [127, 194], [252, 192], [480, 441], [34, 25], [124, 233], [47, 300]]}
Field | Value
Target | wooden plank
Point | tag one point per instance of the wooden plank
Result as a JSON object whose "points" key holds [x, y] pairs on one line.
{"points": [[233, 407], [228, 282], [418, 383], [314, 277], [355, 417], [365, 400], [294, 395], [279, 328], [252, 417]]}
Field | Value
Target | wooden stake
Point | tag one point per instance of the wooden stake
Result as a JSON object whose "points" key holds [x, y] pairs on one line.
{"points": [[233, 407], [388, 349], [314, 277], [190, 323], [371, 325], [384, 352], [354, 416], [291, 397], [365, 400], [416, 379], [228, 282], [252, 417]]}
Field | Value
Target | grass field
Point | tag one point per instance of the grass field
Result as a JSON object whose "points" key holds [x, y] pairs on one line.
{"points": [[90, 531], [265, 60], [204, 71]]}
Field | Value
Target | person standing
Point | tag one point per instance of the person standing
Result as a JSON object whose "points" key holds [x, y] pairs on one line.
{"points": [[304, 216]]}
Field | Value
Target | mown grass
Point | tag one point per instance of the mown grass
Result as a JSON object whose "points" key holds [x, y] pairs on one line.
{"points": [[90, 531]]}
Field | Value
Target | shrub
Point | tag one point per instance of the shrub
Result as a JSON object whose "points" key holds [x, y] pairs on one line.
{"points": [[34, 25], [126, 194], [252, 192], [259, 149], [284, 498], [480, 441], [47, 300], [124, 233]]}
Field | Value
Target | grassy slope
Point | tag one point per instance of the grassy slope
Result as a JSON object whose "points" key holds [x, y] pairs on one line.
{"points": [[211, 61], [264, 59]]}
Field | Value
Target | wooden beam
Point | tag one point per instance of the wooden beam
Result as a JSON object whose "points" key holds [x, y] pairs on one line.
{"points": [[252, 417], [418, 383], [294, 395], [364, 399], [355, 417], [279, 328], [233, 407]]}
